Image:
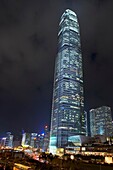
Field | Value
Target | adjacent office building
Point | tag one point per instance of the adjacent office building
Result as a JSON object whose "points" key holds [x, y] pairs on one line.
{"points": [[86, 122], [26, 138], [101, 121], [7, 141], [67, 117], [43, 140], [33, 142], [29, 139], [46, 138]]}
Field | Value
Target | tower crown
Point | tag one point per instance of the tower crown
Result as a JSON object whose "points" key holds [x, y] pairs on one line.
{"points": [[70, 13]]}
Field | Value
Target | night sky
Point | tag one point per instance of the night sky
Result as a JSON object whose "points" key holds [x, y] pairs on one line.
{"points": [[28, 47]]}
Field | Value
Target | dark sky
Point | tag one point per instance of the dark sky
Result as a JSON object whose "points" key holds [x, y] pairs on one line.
{"points": [[28, 46]]}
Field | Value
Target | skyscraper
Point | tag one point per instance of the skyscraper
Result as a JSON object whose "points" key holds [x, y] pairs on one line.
{"points": [[101, 121], [67, 117]]}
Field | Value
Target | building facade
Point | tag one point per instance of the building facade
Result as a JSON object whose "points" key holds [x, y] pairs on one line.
{"points": [[7, 141], [101, 121], [86, 122], [67, 117], [46, 138], [33, 141], [29, 139]]}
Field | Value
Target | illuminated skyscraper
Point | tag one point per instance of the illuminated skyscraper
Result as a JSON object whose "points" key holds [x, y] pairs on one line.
{"points": [[101, 121], [67, 117]]}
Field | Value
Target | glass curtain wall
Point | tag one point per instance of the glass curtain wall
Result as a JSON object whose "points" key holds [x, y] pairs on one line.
{"points": [[67, 117]]}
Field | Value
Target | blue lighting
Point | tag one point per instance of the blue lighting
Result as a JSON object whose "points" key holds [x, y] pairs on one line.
{"points": [[42, 134]]}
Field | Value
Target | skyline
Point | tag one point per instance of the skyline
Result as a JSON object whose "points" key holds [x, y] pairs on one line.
{"points": [[28, 47]]}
